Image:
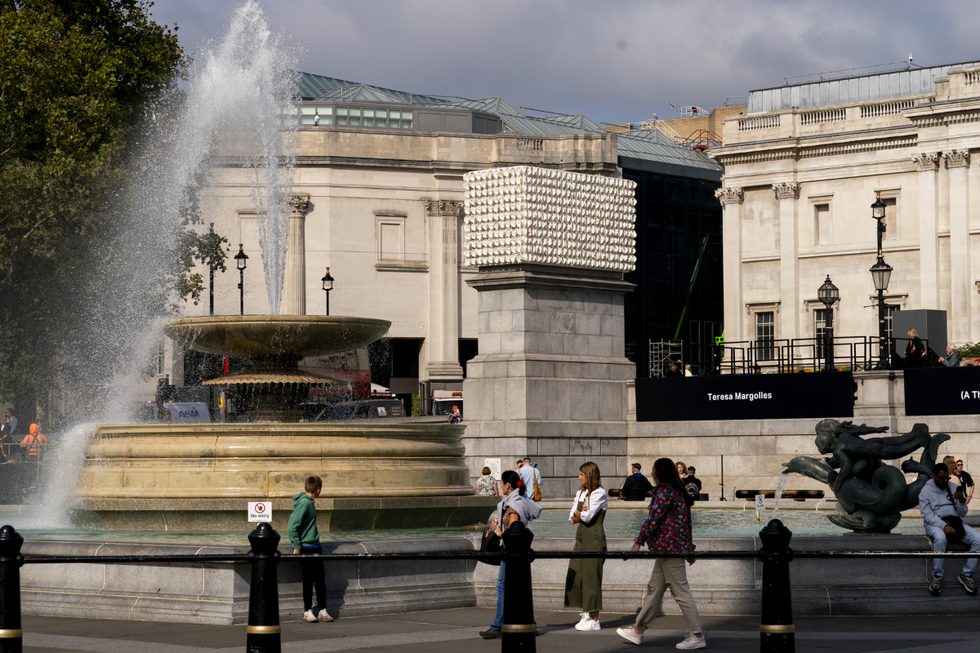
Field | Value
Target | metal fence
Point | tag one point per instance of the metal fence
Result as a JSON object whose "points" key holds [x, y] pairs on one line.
{"points": [[263, 631], [792, 355]]}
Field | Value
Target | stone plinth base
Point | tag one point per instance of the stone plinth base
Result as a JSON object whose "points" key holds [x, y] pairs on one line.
{"points": [[550, 379], [332, 514]]}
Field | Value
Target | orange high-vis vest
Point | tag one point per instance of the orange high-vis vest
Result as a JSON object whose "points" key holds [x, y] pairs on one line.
{"points": [[33, 441]]}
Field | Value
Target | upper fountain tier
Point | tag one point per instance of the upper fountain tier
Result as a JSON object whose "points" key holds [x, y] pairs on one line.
{"points": [[264, 336]]}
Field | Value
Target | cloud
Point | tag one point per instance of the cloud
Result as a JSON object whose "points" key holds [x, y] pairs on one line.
{"points": [[614, 61]]}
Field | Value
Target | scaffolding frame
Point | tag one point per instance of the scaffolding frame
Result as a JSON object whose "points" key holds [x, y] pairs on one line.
{"points": [[664, 352]]}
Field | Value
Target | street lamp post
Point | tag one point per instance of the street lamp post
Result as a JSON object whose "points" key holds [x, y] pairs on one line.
{"points": [[828, 295], [881, 273], [327, 287], [241, 259]]}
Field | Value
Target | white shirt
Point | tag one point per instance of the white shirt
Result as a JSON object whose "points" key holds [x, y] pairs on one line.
{"points": [[593, 503], [934, 504]]}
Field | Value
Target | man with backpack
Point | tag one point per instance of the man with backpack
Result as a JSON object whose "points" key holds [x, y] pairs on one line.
{"points": [[531, 476]]}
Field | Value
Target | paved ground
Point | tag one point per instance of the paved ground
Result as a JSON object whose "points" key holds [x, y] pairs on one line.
{"points": [[457, 630]]}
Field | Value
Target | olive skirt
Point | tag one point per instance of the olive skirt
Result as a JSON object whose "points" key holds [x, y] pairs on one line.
{"points": [[583, 584]]}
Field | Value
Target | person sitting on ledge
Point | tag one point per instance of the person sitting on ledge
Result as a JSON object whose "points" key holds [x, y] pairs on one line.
{"points": [[943, 509], [952, 359], [636, 486]]}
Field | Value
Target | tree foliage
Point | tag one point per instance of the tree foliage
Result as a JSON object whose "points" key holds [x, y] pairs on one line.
{"points": [[73, 79]]}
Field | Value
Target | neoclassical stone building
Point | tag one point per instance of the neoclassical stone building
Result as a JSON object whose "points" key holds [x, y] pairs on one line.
{"points": [[801, 169]]}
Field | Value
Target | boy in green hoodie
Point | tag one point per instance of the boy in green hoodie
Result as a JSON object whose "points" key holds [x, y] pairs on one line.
{"points": [[306, 541]]}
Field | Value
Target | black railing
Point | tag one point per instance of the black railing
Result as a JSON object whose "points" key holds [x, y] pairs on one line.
{"points": [[789, 355], [263, 633]]}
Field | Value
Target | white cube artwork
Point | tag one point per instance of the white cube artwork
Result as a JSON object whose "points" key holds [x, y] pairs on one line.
{"points": [[549, 217]]}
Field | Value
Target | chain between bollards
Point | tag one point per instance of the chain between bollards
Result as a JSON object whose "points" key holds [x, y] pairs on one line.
{"points": [[263, 632], [777, 634], [11, 560], [518, 629]]}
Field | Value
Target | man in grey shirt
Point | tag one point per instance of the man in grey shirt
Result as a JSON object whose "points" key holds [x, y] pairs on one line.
{"points": [[952, 358], [943, 507]]}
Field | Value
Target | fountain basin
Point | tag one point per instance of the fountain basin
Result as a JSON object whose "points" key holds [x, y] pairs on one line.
{"points": [[200, 477], [261, 336]]}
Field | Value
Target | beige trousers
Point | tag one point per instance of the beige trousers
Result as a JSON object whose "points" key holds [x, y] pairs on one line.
{"points": [[669, 571]]}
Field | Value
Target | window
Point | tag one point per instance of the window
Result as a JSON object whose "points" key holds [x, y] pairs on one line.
{"points": [[819, 327], [892, 229], [391, 237], [316, 115], [890, 310], [765, 336], [823, 233]]}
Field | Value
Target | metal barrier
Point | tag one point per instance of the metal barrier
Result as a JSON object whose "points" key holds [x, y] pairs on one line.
{"points": [[263, 633]]}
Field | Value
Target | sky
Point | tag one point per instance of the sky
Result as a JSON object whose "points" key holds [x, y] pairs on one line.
{"points": [[615, 61]]}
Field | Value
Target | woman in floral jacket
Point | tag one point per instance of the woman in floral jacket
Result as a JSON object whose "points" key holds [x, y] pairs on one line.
{"points": [[668, 529]]}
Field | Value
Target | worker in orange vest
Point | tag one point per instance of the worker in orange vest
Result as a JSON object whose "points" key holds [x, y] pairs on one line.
{"points": [[33, 441]]}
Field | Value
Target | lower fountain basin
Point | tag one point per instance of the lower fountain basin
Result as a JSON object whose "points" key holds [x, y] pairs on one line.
{"points": [[201, 477]]}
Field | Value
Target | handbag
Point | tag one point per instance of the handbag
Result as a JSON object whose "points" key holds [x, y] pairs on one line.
{"points": [[957, 525], [953, 520], [490, 543], [537, 490]]}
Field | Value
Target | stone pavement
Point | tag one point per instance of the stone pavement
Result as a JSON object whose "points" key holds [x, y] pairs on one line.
{"points": [[457, 630]]}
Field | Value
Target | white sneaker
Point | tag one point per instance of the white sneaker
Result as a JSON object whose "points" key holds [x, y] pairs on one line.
{"points": [[308, 616], [630, 635], [582, 616], [588, 623], [323, 616], [691, 642]]}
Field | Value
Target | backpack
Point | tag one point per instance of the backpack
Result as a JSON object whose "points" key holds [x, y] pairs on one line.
{"points": [[537, 489]]}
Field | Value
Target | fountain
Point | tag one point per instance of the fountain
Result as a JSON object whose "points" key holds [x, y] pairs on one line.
{"points": [[199, 477], [870, 495]]}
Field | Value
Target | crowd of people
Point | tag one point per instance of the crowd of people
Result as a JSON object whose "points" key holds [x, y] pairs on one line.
{"points": [[672, 488], [19, 455]]}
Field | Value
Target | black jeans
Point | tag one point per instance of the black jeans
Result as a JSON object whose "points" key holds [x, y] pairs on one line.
{"points": [[312, 569]]}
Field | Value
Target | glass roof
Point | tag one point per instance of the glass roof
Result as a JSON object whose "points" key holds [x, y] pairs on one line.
{"points": [[647, 144]]}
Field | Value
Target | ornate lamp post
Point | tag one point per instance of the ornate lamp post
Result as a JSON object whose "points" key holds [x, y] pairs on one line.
{"points": [[828, 295], [327, 287], [881, 272], [241, 259]]}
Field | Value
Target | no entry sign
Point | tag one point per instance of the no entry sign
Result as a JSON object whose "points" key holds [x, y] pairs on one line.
{"points": [[260, 511]]}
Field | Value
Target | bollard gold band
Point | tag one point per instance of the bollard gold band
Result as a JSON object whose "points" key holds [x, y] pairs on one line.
{"points": [[263, 630], [11, 633], [772, 629], [518, 628]]}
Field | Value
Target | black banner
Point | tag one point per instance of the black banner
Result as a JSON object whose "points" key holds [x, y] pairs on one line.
{"points": [[746, 396], [942, 391]]}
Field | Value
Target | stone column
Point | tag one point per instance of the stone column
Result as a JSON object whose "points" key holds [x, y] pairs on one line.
{"points": [[550, 380], [296, 256], [443, 367], [789, 291], [731, 201], [928, 163], [961, 286]]}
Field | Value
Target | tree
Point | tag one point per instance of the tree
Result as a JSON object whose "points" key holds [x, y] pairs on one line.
{"points": [[73, 79]]}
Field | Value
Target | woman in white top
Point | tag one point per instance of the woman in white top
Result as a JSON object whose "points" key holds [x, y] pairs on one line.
{"points": [[583, 584]]}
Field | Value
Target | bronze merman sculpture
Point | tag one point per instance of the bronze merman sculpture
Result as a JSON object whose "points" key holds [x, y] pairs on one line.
{"points": [[871, 494]]}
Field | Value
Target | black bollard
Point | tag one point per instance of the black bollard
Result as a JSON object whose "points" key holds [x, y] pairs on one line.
{"points": [[776, 633], [11, 635], [518, 627], [263, 632]]}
